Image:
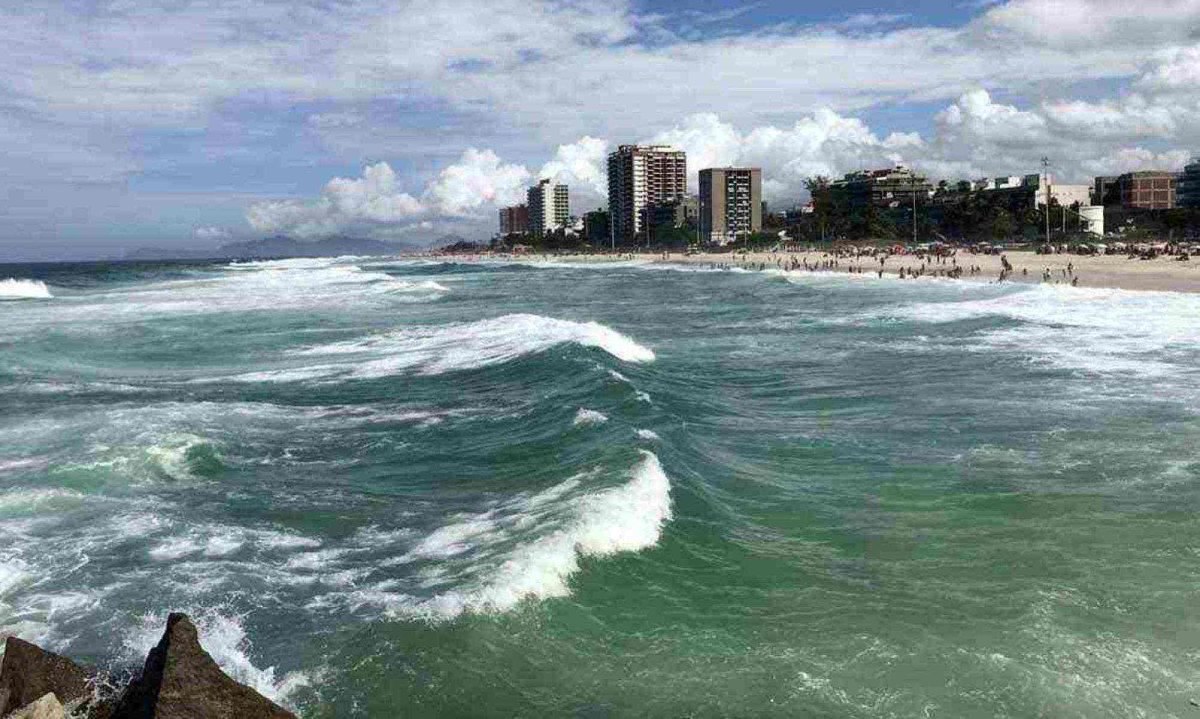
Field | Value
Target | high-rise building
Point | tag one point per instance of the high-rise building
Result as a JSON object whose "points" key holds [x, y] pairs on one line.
{"points": [[549, 207], [730, 203], [1107, 190], [1150, 190], [1188, 189], [514, 220], [641, 176]]}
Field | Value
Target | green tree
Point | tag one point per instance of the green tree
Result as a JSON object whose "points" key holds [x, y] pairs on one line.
{"points": [[821, 190], [1003, 225]]}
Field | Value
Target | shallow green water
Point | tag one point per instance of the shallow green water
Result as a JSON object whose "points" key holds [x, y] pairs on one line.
{"points": [[399, 488]]}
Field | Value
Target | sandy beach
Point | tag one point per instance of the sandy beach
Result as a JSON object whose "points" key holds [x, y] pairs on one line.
{"points": [[1162, 274]]}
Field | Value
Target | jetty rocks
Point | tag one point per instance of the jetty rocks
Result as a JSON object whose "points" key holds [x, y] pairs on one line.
{"points": [[178, 681]]}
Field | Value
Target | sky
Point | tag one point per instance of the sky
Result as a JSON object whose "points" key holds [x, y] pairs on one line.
{"points": [[180, 123]]}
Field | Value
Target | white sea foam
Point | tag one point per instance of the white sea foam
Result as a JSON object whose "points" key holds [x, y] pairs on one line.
{"points": [[223, 636], [447, 348], [649, 435], [588, 417], [564, 264], [1095, 330], [14, 289], [626, 518], [220, 541], [315, 560], [284, 540], [294, 263], [175, 548], [38, 498], [171, 455], [397, 285], [25, 463], [52, 569], [317, 285], [174, 456], [14, 576]]}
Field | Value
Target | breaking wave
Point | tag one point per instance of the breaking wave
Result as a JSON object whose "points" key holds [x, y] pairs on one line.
{"points": [[176, 457], [587, 416], [448, 348], [13, 289], [627, 518]]}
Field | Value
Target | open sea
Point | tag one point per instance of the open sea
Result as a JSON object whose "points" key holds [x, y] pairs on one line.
{"points": [[404, 488]]}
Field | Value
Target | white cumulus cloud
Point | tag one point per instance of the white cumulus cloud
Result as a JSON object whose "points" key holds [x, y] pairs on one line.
{"points": [[478, 179], [345, 203]]}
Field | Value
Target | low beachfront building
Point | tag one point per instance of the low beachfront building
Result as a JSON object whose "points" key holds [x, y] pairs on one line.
{"points": [[1148, 190], [891, 187]]}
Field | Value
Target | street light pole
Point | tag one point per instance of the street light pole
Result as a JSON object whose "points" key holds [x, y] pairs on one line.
{"points": [[1046, 175], [914, 200]]}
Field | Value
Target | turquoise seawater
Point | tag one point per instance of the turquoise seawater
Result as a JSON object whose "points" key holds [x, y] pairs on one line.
{"points": [[390, 487]]}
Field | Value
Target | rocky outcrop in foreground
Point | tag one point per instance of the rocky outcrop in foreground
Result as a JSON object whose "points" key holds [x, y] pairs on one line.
{"points": [[179, 681]]}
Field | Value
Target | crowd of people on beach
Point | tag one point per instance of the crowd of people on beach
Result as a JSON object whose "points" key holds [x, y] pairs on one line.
{"points": [[937, 263], [936, 260]]}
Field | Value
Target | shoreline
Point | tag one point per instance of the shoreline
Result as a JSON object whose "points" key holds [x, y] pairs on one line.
{"points": [[1162, 274]]}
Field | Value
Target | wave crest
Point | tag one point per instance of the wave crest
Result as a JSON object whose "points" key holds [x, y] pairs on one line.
{"points": [[626, 518], [587, 416], [14, 289], [448, 348]]}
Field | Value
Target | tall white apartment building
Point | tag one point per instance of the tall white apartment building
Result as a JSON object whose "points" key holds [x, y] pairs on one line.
{"points": [[549, 207]]}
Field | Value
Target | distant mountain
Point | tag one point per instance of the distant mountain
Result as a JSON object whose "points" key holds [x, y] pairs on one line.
{"points": [[288, 247], [449, 239], [274, 247]]}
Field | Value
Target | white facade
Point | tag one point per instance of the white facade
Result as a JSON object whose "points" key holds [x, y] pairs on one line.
{"points": [[639, 191], [1068, 195], [1092, 217], [548, 207]]}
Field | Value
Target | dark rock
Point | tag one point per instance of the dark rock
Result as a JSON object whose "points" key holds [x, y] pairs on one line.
{"points": [[29, 673], [181, 681]]}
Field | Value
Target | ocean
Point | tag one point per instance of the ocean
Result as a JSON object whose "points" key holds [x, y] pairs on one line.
{"points": [[395, 487]]}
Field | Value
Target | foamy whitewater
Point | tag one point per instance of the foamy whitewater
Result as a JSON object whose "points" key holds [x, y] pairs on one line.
{"points": [[13, 289], [404, 487]]}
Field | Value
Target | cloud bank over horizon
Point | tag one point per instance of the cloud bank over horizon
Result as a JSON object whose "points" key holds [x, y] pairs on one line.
{"points": [[974, 137], [208, 120]]}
